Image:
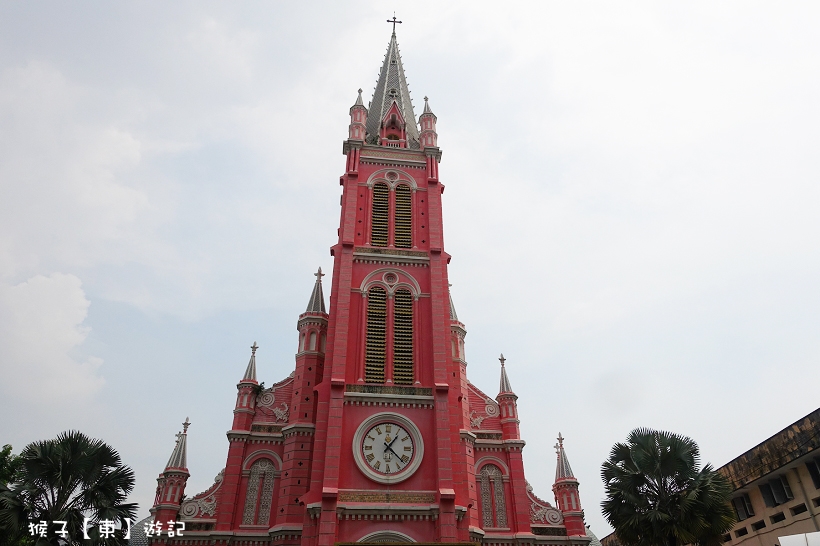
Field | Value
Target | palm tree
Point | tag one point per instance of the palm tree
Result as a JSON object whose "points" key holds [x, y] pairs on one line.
{"points": [[656, 495], [70, 478]]}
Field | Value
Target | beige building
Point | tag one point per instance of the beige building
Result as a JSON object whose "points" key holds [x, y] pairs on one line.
{"points": [[777, 486]]}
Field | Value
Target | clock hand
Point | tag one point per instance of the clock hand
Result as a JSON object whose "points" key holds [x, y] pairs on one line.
{"points": [[387, 447]]}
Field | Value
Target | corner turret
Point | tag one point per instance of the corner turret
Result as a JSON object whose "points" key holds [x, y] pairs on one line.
{"points": [[171, 482], [245, 407], [566, 492], [427, 121], [508, 404]]}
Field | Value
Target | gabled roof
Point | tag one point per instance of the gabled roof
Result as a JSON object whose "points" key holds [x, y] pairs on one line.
{"points": [[392, 85]]}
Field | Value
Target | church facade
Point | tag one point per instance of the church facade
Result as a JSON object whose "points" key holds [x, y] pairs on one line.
{"points": [[377, 436]]}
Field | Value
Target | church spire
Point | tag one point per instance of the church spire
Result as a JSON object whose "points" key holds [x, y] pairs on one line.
{"points": [[391, 87], [504, 387], [562, 471], [317, 298], [179, 457], [250, 371]]}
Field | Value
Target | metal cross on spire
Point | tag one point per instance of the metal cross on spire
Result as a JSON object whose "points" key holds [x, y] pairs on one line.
{"points": [[394, 21], [319, 273], [502, 359], [560, 443], [187, 423], [253, 348]]}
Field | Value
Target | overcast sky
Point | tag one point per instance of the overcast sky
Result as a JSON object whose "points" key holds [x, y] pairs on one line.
{"points": [[632, 209]]}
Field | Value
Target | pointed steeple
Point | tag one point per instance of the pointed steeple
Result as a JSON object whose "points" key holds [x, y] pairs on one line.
{"points": [[359, 101], [427, 107], [317, 298], [504, 386], [250, 371], [563, 471], [391, 87], [179, 457], [453, 315]]}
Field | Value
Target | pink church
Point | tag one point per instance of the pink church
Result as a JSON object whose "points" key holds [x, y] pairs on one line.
{"points": [[377, 436]]}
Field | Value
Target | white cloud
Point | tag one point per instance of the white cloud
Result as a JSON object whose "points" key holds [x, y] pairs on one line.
{"points": [[41, 327]]}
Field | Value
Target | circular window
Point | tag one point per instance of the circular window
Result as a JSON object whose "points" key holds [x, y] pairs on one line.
{"points": [[391, 278]]}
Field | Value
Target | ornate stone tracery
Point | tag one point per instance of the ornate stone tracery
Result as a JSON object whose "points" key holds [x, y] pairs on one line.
{"points": [[262, 472], [492, 496]]}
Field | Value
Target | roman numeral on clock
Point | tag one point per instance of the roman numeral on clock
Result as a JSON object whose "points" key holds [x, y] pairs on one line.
{"points": [[405, 458], [370, 456]]}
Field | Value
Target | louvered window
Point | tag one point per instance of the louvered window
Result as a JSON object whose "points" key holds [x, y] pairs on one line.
{"points": [[379, 221], [403, 224], [376, 335], [403, 338]]}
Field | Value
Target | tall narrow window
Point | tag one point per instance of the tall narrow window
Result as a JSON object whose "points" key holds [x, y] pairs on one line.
{"points": [[378, 223], [403, 338], [259, 493], [403, 223], [492, 496], [376, 335]]}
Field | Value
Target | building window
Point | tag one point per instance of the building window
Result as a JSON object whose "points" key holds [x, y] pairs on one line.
{"points": [[799, 509], [493, 506], [814, 471], [743, 507], [777, 518], [376, 335], [776, 491], [259, 494], [758, 525], [379, 217], [313, 341], [741, 532], [403, 337], [402, 234]]}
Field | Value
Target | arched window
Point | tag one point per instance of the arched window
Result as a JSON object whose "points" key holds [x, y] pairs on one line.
{"points": [[376, 335], [403, 231], [313, 341], [380, 213], [493, 506], [403, 337], [302, 342], [260, 493]]}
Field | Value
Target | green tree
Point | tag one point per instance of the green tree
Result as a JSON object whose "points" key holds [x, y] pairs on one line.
{"points": [[70, 478], [9, 465], [656, 494]]}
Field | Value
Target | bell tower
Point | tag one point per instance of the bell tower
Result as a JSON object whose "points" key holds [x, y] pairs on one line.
{"points": [[390, 403]]}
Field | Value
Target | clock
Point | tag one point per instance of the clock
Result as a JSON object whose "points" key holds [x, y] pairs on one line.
{"points": [[388, 447]]}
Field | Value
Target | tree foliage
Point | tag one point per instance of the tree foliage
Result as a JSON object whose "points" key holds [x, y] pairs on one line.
{"points": [[657, 494], [70, 478]]}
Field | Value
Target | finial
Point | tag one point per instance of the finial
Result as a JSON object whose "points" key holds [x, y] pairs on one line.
{"points": [[253, 348], [502, 359], [319, 273], [187, 423], [394, 21], [560, 445], [425, 98], [360, 91]]}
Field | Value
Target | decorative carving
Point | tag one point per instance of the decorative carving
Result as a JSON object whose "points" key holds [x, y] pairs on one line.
{"points": [[476, 421], [385, 389], [203, 504], [281, 413], [492, 479], [261, 473], [545, 514], [266, 399], [387, 497], [491, 408]]}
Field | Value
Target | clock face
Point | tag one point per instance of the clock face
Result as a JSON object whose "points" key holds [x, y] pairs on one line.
{"points": [[387, 448]]}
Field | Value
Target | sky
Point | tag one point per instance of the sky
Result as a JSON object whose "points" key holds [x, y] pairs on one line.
{"points": [[631, 205]]}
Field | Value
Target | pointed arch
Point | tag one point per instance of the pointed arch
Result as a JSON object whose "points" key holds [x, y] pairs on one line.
{"points": [[403, 337], [493, 502], [375, 342], [403, 220], [259, 493], [380, 210]]}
